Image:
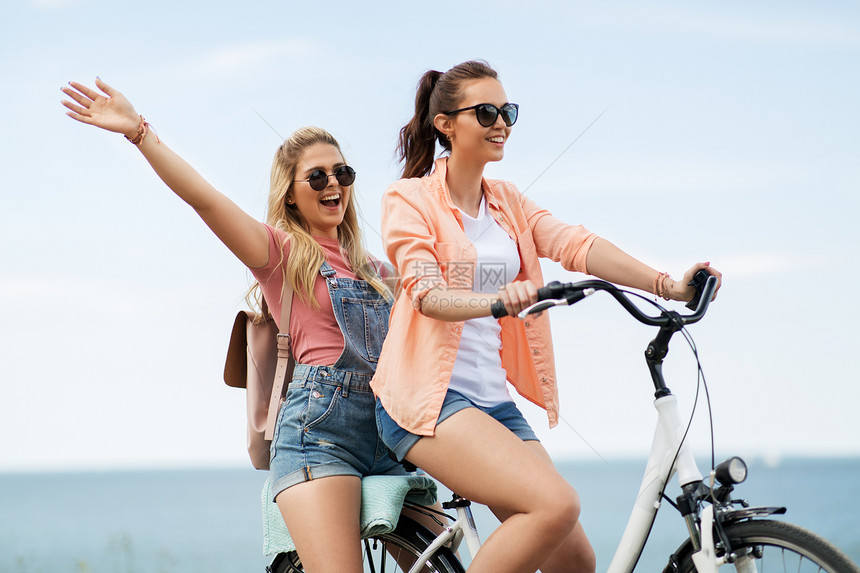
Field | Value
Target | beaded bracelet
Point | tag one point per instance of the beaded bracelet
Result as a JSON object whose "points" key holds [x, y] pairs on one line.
{"points": [[142, 130], [660, 286]]}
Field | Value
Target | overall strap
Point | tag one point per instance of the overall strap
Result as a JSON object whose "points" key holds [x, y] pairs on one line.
{"points": [[327, 271], [286, 362]]}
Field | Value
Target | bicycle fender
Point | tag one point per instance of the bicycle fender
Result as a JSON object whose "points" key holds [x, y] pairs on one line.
{"points": [[750, 513]]}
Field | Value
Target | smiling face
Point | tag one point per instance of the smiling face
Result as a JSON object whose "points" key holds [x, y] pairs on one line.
{"points": [[469, 139], [322, 210]]}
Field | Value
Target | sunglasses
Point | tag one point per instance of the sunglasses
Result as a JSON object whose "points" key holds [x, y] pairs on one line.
{"points": [[318, 179], [487, 113]]}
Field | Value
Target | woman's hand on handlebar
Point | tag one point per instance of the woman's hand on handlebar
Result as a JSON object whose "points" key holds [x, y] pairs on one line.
{"points": [[682, 290], [517, 295], [109, 110]]}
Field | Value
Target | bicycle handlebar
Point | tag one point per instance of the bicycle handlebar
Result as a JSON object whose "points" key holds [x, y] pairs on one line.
{"points": [[556, 294]]}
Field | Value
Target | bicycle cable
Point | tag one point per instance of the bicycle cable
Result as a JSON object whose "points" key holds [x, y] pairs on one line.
{"points": [[429, 511], [701, 382]]}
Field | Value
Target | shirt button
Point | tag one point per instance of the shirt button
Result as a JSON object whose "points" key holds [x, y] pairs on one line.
{"points": [[535, 352], [528, 323]]}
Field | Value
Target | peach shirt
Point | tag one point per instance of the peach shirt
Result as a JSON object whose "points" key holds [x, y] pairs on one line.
{"points": [[424, 239]]}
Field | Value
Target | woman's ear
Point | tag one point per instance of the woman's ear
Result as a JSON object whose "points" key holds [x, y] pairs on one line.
{"points": [[444, 124]]}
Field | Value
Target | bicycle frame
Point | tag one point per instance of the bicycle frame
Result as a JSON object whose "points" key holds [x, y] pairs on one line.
{"points": [[667, 447], [462, 528], [664, 447]]}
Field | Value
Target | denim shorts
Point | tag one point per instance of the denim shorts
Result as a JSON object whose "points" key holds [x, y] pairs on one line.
{"points": [[400, 441], [325, 428]]}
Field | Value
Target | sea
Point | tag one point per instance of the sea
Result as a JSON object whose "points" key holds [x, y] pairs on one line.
{"points": [[209, 520]]}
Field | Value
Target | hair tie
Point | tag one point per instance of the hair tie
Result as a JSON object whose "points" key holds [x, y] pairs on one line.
{"points": [[434, 78]]}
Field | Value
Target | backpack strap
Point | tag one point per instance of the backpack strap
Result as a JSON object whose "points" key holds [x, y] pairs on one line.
{"points": [[286, 362]]}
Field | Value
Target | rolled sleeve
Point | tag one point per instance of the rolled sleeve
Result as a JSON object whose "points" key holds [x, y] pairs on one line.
{"points": [[556, 240], [410, 244]]}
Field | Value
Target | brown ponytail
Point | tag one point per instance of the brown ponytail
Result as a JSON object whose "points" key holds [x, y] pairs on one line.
{"points": [[437, 92]]}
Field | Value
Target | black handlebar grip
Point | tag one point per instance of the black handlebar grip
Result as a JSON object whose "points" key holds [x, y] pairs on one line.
{"points": [[699, 280], [498, 308]]}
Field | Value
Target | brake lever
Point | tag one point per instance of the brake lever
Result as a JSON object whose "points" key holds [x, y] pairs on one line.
{"points": [[542, 305]]}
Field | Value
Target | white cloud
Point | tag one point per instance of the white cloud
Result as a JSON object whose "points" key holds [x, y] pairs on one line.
{"points": [[56, 4], [785, 29], [239, 57], [664, 174], [118, 300], [226, 62], [63, 293], [748, 265]]}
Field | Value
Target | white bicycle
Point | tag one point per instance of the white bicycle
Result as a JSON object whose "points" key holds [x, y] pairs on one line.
{"points": [[723, 531]]}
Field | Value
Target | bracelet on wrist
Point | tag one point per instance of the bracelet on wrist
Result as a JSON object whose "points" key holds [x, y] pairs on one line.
{"points": [[142, 129], [660, 289]]}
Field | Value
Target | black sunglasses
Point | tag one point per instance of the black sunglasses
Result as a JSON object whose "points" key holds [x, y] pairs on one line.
{"points": [[318, 179], [487, 113]]}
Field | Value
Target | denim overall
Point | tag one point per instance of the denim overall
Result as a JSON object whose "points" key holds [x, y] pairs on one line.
{"points": [[327, 425]]}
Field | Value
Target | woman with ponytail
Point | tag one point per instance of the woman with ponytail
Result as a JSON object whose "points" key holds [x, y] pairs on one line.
{"points": [[325, 439], [460, 242]]}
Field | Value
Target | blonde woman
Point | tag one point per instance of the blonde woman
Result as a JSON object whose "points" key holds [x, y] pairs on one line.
{"points": [[325, 439]]}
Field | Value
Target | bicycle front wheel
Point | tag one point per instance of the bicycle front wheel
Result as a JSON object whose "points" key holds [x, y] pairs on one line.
{"points": [[765, 545], [388, 553]]}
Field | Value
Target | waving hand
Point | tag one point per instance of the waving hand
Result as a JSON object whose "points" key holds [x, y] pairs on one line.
{"points": [[109, 110]]}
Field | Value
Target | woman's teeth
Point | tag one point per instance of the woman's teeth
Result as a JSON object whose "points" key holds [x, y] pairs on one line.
{"points": [[330, 200]]}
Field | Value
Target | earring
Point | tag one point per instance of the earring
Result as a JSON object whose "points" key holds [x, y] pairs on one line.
{"points": [[449, 137]]}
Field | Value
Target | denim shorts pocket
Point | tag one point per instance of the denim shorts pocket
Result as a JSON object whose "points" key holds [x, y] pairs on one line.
{"points": [[322, 400]]}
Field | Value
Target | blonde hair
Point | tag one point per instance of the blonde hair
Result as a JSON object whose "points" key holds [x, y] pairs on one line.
{"points": [[306, 255]]}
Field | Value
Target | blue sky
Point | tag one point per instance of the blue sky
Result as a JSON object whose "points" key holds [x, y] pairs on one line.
{"points": [[729, 134]]}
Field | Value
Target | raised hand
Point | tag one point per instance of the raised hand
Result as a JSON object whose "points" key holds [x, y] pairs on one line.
{"points": [[109, 110]]}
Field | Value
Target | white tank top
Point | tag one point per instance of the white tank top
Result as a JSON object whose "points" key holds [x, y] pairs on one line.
{"points": [[478, 372]]}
